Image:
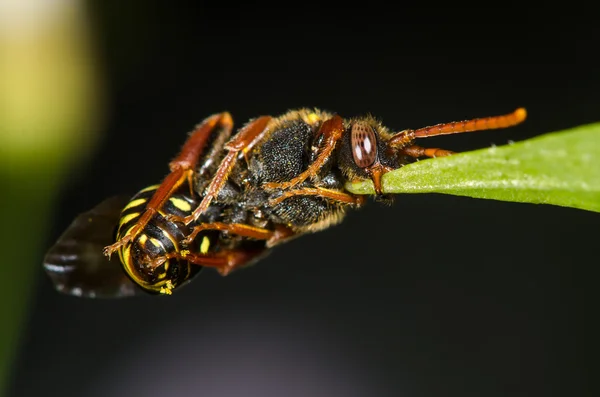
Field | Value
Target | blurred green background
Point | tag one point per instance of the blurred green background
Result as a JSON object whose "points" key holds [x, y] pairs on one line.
{"points": [[95, 99], [49, 114]]}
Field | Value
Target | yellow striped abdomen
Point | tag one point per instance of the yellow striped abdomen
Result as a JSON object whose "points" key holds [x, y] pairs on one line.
{"points": [[151, 258]]}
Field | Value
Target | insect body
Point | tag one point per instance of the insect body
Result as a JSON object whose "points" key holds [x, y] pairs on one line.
{"points": [[229, 198], [148, 260]]}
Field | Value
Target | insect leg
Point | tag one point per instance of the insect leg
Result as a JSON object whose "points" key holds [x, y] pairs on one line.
{"points": [[242, 142], [182, 170], [271, 236], [332, 130], [224, 261], [237, 228], [334, 195]]}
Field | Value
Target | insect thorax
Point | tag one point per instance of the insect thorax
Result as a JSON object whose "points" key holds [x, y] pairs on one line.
{"points": [[290, 146]]}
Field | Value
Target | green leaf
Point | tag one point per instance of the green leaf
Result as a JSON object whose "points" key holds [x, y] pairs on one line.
{"points": [[560, 168]]}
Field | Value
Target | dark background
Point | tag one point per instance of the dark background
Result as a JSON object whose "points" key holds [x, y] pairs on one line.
{"points": [[434, 296]]}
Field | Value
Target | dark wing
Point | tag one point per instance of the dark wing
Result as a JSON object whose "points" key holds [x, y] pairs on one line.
{"points": [[76, 264]]}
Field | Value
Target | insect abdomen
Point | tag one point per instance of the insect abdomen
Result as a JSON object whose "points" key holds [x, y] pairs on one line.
{"points": [[152, 259]]}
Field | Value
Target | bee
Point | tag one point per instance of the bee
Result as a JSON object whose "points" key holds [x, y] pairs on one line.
{"points": [[231, 197]]}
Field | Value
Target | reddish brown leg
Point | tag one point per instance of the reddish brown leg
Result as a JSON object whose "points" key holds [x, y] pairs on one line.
{"points": [[334, 195], [332, 130], [272, 236], [456, 127], [225, 261], [418, 151], [182, 170], [242, 142]]}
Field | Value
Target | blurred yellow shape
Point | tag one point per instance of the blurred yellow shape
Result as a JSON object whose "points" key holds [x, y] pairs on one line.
{"points": [[49, 108], [48, 99]]}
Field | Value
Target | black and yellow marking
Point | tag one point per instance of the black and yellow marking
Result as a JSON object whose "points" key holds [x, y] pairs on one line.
{"points": [[181, 204], [205, 245], [155, 258]]}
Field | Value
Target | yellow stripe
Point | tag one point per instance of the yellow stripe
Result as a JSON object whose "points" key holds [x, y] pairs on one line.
{"points": [[127, 263], [205, 245], [173, 241], [127, 218], [143, 238], [147, 189], [156, 242], [135, 203], [156, 286], [120, 251], [181, 204], [126, 233]]}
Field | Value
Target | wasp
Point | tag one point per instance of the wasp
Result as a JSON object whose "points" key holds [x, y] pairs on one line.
{"points": [[232, 196]]}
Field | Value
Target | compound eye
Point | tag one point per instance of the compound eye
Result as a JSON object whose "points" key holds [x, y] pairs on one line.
{"points": [[364, 144]]}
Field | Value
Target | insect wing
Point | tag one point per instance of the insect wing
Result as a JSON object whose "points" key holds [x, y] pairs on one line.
{"points": [[76, 264]]}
